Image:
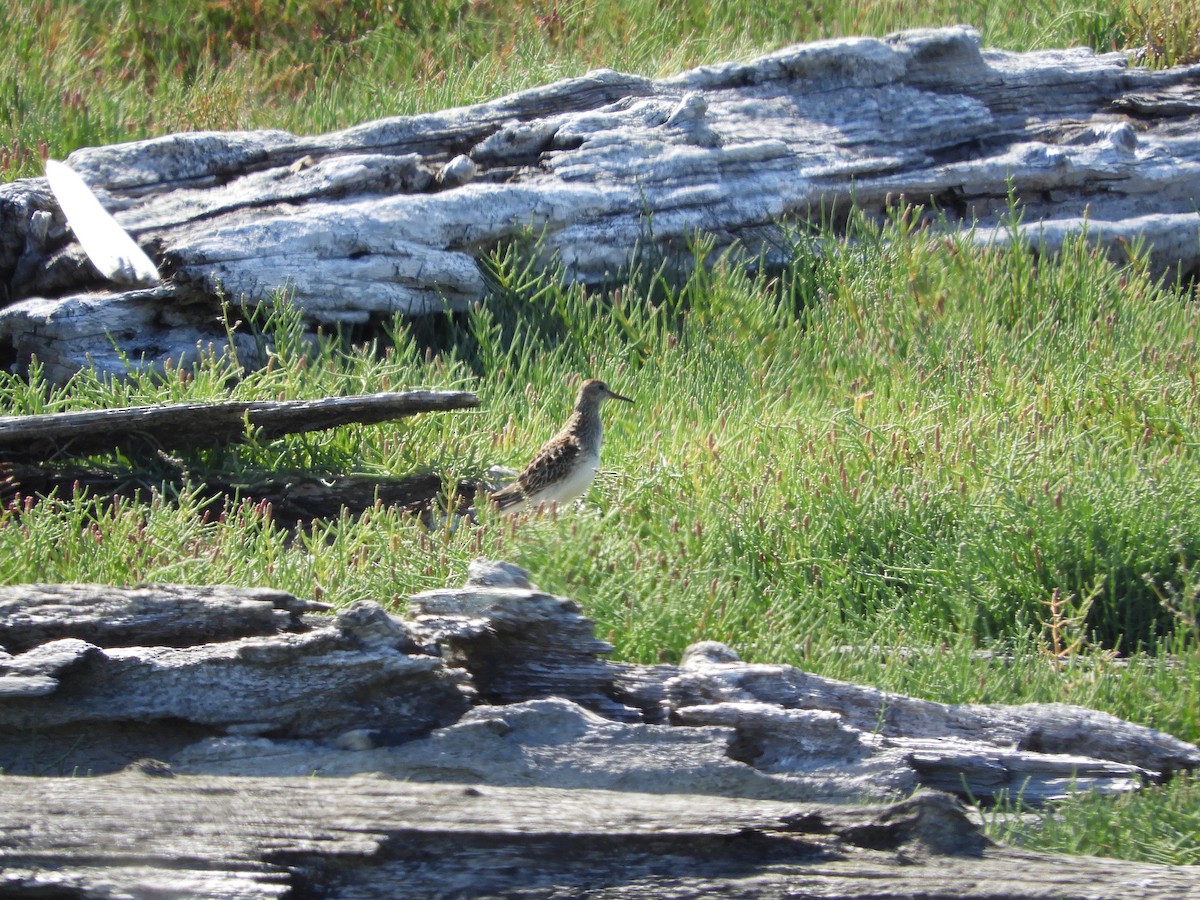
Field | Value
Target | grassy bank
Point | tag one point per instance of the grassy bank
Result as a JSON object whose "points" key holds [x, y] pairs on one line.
{"points": [[103, 71], [904, 460]]}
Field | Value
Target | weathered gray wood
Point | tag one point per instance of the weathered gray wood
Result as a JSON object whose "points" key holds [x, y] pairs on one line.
{"points": [[541, 795], [390, 216], [354, 693], [520, 644], [67, 702], [149, 615], [111, 331], [190, 425], [711, 674], [271, 837], [250, 686]]}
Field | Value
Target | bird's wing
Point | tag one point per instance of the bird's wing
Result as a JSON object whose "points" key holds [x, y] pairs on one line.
{"points": [[548, 465], [508, 496]]}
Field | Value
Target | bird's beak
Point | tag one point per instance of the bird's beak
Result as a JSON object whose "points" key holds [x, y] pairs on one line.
{"points": [[617, 396]]}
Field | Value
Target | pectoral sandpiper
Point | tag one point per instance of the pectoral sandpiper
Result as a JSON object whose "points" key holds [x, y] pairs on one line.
{"points": [[566, 464]]}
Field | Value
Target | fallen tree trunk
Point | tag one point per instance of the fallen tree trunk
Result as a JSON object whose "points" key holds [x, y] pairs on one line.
{"points": [[295, 497], [391, 216], [137, 835], [584, 776], [193, 425]]}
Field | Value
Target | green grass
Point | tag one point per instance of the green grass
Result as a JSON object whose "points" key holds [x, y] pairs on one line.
{"points": [[877, 448], [103, 71], [1157, 825], [896, 452]]}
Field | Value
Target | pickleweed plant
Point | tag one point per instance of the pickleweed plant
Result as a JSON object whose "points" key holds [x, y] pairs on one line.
{"points": [[883, 452]]}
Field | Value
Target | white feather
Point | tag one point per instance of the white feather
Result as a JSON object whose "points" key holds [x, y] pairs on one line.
{"points": [[106, 243]]}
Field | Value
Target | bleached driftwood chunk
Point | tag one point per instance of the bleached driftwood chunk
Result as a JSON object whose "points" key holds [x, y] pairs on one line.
{"points": [[248, 681], [392, 216]]}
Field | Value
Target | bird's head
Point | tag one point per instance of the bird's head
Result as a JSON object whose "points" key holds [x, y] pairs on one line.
{"points": [[594, 392]]}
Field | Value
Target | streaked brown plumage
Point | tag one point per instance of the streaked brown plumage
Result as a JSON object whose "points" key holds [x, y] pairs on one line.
{"points": [[566, 464]]}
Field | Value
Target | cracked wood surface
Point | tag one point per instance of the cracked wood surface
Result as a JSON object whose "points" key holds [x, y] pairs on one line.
{"points": [[135, 834], [481, 746], [498, 681]]}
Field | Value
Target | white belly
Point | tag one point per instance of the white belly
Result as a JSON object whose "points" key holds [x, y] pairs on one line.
{"points": [[576, 481]]}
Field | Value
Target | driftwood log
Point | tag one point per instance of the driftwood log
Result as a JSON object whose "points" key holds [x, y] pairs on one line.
{"points": [[392, 216], [173, 426], [154, 432], [573, 775], [134, 835]]}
